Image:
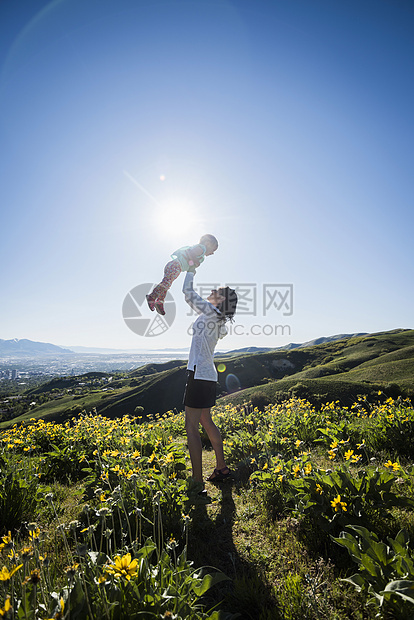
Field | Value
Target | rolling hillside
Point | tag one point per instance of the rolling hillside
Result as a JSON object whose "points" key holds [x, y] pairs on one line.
{"points": [[345, 369], [335, 370]]}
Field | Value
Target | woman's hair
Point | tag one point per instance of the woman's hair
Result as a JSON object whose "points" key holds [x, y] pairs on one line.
{"points": [[228, 306]]}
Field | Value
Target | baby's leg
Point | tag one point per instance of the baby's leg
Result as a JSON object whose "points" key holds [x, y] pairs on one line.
{"points": [[171, 272]]}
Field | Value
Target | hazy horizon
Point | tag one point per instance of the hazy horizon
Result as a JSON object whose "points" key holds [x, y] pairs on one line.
{"points": [[80, 348]]}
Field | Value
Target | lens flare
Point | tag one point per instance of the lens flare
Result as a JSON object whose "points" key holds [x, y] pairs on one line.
{"points": [[232, 383], [221, 367]]}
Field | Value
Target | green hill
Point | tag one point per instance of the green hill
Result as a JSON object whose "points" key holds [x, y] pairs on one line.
{"points": [[345, 369], [336, 370]]}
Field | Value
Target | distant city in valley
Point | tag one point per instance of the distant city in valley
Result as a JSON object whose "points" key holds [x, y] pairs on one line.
{"points": [[20, 368]]}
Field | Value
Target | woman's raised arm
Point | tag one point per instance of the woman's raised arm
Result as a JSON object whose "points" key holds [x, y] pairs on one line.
{"points": [[194, 300]]}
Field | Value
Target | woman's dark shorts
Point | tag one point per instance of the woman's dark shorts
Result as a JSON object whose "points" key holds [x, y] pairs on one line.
{"points": [[199, 393]]}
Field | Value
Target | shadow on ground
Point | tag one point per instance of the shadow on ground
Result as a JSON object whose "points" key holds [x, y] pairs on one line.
{"points": [[211, 544]]}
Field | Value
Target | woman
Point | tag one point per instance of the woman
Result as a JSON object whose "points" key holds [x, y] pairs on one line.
{"points": [[200, 390]]}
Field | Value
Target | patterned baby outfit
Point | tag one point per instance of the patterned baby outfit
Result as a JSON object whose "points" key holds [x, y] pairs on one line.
{"points": [[182, 261], [171, 271], [186, 259]]}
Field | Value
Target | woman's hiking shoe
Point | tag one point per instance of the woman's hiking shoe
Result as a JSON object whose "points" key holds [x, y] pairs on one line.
{"points": [[219, 475]]}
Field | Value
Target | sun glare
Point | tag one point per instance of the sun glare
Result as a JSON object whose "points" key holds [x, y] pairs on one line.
{"points": [[173, 220]]}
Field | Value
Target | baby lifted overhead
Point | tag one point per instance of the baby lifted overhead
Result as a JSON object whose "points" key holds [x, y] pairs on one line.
{"points": [[186, 258]]}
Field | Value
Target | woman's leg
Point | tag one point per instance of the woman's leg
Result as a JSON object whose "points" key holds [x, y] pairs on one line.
{"points": [[192, 421], [214, 436]]}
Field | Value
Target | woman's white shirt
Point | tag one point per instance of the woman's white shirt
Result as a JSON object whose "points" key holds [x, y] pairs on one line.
{"points": [[207, 329]]}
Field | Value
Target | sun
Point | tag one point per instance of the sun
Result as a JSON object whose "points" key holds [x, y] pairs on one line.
{"points": [[175, 219]]}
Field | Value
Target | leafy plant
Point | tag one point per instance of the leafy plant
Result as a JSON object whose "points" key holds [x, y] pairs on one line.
{"points": [[386, 572], [144, 582], [20, 493], [332, 498], [393, 429]]}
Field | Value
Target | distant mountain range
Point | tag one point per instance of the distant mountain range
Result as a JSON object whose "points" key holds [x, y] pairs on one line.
{"points": [[292, 345], [23, 347]]}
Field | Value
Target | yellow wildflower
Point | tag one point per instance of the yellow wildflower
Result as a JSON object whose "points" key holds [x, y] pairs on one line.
{"points": [[71, 570], [26, 553], [34, 534], [6, 541], [123, 567], [338, 505], [308, 468], [7, 606], [5, 575], [394, 466]]}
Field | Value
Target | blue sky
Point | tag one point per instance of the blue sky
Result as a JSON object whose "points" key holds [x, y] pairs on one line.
{"points": [[130, 128]]}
